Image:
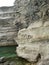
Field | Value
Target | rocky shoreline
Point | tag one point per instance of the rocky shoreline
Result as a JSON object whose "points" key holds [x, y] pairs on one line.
{"points": [[26, 25]]}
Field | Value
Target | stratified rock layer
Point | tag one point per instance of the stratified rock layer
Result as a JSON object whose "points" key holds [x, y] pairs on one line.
{"points": [[7, 29]]}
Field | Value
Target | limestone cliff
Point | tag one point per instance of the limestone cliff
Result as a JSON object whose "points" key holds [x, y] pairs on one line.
{"points": [[31, 10], [7, 29], [33, 40], [27, 24]]}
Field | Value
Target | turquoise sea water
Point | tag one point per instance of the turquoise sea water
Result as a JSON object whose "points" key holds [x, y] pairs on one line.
{"points": [[8, 51]]}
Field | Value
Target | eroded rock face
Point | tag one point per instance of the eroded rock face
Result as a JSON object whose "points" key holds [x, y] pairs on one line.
{"points": [[45, 62], [31, 10], [33, 44], [29, 51], [33, 41], [32, 16]]}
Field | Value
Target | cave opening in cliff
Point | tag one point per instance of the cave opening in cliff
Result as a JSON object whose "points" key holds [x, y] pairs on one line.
{"points": [[6, 3]]}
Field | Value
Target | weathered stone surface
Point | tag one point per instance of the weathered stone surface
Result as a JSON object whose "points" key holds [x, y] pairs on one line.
{"points": [[2, 59], [29, 52], [45, 62], [33, 34], [46, 23], [35, 24], [32, 10], [33, 42]]}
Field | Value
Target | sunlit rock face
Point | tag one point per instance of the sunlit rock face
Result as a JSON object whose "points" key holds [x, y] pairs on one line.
{"points": [[33, 44], [33, 41]]}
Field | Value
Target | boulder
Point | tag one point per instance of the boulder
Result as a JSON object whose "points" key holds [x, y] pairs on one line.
{"points": [[33, 43]]}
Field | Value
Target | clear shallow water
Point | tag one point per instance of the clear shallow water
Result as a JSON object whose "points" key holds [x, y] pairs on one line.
{"points": [[8, 51]]}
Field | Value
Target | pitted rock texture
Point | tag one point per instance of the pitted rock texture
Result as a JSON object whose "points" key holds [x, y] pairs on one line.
{"points": [[33, 40], [33, 44], [32, 10], [32, 16], [29, 52]]}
